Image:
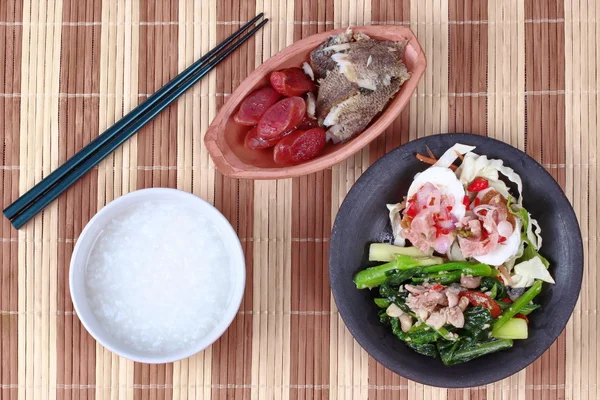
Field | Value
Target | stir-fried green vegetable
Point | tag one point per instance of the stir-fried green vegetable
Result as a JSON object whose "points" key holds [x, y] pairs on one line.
{"points": [[516, 307], [385, 252], [460, 352], [375, 276], [480, 334]]}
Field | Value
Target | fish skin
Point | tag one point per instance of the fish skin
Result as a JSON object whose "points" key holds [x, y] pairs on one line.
{"points": [[355, 84], [370, 63], [333, 89], [321, 61], [354, 114]]}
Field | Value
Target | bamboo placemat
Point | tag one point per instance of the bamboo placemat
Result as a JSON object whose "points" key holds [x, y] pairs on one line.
{"points": [[523, 71]]}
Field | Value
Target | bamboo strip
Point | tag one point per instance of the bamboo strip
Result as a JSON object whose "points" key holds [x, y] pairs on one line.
{"points": [[38, 263], [506, 112], [573, 135], [192, 377], [119, 47], [506, 120], [272, 262], [348, 369]]}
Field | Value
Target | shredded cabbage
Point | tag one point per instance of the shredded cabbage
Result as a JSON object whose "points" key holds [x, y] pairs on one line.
{"points": [[531, 236], [527, 272], [475, 165], [448, 158], [395, 219]]}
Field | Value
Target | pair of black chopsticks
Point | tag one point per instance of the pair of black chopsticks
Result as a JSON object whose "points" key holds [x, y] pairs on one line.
{"points": [[42, 194]]}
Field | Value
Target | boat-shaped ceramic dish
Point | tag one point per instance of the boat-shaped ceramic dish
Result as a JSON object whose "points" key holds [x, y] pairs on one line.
{"points": [[225, 139]]}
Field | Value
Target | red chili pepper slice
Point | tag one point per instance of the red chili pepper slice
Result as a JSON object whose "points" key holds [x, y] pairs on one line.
{"points": [[412, 210], [437, 287], [522, 317], [482, 299], [477, 201], [466, 202], [502, 239], [506, 299], [478, 185]]}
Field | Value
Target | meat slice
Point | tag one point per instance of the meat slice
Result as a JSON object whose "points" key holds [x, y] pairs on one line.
{"points": [[281, 117], [255, 105], [254, 142], [454, 316], [436, 320], [452, 293], [447, 315], [426, 301], [291, 82], [299, 146], [470, 282]]}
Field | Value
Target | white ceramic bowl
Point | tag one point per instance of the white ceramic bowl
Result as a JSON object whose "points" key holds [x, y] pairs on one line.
{"points": [[94, 228]]}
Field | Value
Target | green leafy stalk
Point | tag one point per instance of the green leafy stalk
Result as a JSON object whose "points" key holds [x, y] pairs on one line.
{"points": [[466, 351], [526, 310], [382, 303], [375, 276], [453, 272], [385, 252], [518, 305]]}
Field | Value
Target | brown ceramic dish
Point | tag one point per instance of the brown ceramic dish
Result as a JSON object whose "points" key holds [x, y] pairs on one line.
{"points": [[225, 139]]}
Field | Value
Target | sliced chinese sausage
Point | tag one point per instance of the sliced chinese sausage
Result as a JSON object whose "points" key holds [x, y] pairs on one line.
{"points": [[253, 142], [308, 123], [299, 146], [291, 82], [254, 106], [282, 117]]}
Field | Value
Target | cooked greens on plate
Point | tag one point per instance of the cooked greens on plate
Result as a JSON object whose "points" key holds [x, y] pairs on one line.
{"points": [[462, 275]]}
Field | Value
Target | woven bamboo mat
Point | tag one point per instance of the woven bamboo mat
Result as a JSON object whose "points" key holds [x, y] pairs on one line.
{"points": [[523, 71]]}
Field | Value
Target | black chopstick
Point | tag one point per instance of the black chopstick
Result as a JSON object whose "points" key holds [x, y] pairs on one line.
{"points": [[40, 198], [27, 199]]}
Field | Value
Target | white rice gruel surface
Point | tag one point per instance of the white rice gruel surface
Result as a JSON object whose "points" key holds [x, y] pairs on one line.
{"points": [[158, 277]]}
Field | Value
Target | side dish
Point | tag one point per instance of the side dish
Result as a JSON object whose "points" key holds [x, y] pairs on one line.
{"points": [[460, 278], [348, 81]]}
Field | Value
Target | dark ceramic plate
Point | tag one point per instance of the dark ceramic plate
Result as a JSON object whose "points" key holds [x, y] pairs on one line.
{"points": [[363, 219]]}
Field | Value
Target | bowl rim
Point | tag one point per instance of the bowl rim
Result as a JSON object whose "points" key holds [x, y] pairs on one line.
{"points": [[377, 354], [238, 273], [217, 126]]}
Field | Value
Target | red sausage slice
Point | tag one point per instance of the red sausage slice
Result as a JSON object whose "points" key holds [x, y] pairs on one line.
{"points": [[254, 106], [253, 142], [282, 117], [308, 123], [291, 82], [299, 146]]}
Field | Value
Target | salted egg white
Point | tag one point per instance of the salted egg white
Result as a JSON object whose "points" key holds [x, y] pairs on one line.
{"points": [[505, 250], [446, 182]]}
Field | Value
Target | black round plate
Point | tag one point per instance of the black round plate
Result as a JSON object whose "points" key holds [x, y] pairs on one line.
{"points": [[363, 219]]}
